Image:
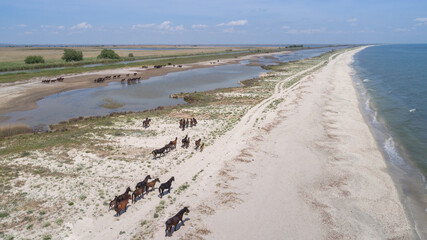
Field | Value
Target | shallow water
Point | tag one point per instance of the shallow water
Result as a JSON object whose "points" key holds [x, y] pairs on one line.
{"points": [[146, 94], [392, 83]]}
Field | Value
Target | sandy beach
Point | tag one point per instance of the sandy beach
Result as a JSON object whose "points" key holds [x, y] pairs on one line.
{"points": [[301, 163]]}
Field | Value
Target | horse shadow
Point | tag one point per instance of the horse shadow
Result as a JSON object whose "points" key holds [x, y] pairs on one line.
{"points": [[178, 226]]}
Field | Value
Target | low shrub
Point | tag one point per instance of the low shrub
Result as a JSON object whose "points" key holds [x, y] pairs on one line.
{"points": [[34, 59]]}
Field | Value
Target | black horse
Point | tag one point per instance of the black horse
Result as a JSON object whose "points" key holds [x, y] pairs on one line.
{"points": [[166, 185], [158, 151]]}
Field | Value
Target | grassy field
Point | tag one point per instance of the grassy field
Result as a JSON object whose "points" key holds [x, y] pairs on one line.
{"points": [[12, 77], [12, 58]]}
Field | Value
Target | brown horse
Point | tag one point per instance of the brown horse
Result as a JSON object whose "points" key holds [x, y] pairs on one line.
{"points": [[174, 142], [198, 143], [173, 221], [120, 206], [137, 193], [202, 147], [151, 185]]}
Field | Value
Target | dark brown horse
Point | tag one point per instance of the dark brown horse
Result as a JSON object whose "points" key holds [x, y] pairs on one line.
{"points": [[123, 196], [146, 123], [167, 185], [143, 183], [173, 221], [137, 193], [112, 203]]}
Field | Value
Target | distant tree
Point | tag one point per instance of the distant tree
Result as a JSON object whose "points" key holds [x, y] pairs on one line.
{"points": [[130, 55], [34, 59], [72, 55], [108, 53]]}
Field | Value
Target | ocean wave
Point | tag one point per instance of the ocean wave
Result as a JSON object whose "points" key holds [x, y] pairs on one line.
{"points": [[366, 80], [412, 110], [393, 155]]}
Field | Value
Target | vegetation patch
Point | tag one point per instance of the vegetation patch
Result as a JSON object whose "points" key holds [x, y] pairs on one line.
{"points": [[111, 104]]}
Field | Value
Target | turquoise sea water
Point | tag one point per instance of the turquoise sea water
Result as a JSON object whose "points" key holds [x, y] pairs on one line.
{"points": [[392, 82]]}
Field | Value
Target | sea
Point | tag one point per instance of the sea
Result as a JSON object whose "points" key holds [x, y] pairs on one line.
{"points": [[392, 84]]}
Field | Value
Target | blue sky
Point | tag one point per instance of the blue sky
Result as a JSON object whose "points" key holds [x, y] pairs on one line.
{"points": [[212, 22]]}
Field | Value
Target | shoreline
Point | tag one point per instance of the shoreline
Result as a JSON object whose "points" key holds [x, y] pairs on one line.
{"points": [[291, 154], [23, 95], [408, 178]]}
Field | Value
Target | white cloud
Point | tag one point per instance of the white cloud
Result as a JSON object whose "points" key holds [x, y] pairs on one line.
{"points": [[199, 26], [179, 27], [52, 27], [28, 33], [286, 27], [420, 21], [166, 26], [424, 20], [234, 23], [149, 25], [83, 25], [353, 21], [311, 30], [21, 25], [305, 31]]}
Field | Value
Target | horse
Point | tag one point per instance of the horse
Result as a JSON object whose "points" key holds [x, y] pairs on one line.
{"points": [[166, 185], [158, 151], [181, 123], [184, 140], [193, 122], [146, 122], [187, 123], [112, 203], [168, 146], [198, 143], [174, 142], [143, 183], [123, 196], [187, 143], [173, 221], [202, 147], [120, 206], [151, 185], [138, 192]]}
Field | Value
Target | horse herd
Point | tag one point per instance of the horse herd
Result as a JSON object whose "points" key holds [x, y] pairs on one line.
{"points": [[60, 79], [185, 123], [120, 202]]}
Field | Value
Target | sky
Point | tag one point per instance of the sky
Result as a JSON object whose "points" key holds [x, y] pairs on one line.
{"points": [[213, 22]]}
